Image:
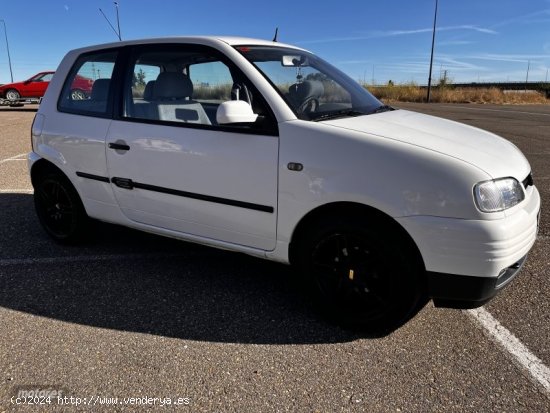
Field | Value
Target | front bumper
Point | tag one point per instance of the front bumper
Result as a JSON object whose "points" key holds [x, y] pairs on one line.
{"points": [[462, 291], [469, 261]]}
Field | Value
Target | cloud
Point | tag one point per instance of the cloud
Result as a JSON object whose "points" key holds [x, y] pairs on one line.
{"points": [[414, 64], [457, 63], [518, 58], [66, 7], [524, 19], [393, 33], [439, 29], [454, 43]]}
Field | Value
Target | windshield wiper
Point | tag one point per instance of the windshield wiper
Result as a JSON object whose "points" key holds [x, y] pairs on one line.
{"points": [[383, 108], [351, 112], [339, 114]]}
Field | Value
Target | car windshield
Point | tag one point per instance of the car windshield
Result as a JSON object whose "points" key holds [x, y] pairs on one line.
{"points": [[313, 89]]}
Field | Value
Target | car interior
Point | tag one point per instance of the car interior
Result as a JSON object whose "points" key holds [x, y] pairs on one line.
{"points": [[189, 88]]}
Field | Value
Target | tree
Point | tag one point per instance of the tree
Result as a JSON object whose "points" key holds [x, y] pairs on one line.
{"points": [[139, 78], [318, 76], [444, 80]]}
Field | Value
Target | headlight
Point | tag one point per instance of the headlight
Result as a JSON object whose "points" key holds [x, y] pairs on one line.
{"points": [[498, 195]]}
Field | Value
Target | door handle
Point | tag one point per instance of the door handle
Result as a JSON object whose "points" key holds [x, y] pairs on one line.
{"points": [[119, 146]]}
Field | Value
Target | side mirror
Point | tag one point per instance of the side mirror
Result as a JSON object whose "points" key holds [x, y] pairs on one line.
{"points": [[235, 111]]}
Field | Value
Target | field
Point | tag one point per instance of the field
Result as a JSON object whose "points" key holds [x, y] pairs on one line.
{"points": [[449, 94]]}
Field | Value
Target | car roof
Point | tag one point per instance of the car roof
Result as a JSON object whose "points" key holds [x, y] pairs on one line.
{"points": [[206, 40]]}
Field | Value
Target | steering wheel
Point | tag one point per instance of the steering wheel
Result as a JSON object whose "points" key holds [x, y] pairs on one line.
{"points": [[310, 105]]}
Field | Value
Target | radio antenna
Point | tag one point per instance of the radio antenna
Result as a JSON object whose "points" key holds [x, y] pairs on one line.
{"points": [[276, 33], [112, 27]]}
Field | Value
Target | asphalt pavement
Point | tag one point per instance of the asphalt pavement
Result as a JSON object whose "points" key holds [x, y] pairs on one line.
{"points": [[132, 315]]}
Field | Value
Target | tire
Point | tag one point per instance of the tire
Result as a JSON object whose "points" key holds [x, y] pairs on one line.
{"points": [[361, 274], [78, 94], [12, 95], [59, 208]]}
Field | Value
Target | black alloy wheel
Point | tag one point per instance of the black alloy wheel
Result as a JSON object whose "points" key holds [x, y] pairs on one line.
{"points": [[361, 275], [59, 208]]}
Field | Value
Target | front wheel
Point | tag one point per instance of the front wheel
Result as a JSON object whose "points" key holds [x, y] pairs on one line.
{"points": [[13, 95], [361, 274], [59, 208]]}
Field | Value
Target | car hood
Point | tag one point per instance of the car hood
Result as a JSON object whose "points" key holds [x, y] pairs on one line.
{"points": [[494, 155], [15, 85]]}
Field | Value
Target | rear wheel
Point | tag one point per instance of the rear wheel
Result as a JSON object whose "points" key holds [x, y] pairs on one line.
{"points": [[361, 274], [59, 208], [13, 95], [78, 94]]}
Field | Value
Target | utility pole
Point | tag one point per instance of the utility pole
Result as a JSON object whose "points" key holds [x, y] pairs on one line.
{"points": [[373, 74], [432, 54], [527, 77], [7, 47], [546, 80]]}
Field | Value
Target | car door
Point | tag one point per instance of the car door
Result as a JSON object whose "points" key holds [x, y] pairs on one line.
{"points": [[42, 85], [33, 86], [173, 167]]}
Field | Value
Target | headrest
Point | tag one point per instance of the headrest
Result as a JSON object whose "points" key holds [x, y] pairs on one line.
{"points": [[308, 89], [148, 91], [172, 85], [100, 89]]}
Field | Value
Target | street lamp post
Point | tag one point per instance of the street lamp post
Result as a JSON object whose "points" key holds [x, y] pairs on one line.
{"points": [[7, 47], [432, 55]]}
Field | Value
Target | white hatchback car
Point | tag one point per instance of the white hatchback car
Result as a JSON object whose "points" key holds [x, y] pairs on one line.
{"points": [[266, 149]]}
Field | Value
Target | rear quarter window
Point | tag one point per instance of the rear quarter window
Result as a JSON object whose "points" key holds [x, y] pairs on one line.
{"points": [[87, 89]]}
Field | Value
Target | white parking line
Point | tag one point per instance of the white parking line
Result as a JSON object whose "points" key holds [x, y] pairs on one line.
{"points": [[16, 191], [14, 158], [531, 363]]}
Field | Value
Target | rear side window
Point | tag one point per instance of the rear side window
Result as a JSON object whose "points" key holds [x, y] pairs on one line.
{"points": [[87, 88]]}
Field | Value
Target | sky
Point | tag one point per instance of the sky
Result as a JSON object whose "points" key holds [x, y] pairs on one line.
{"points": [[476, 40]]}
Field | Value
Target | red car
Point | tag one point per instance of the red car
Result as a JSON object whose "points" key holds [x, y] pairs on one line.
{"points": [[35, 87]]}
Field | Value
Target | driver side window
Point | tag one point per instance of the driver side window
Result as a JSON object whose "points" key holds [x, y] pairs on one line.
{"points": [[185, 85]]}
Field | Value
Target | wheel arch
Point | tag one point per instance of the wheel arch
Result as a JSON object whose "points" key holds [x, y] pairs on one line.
{"points": [[335, 209], [42, 166], [66, 228]]}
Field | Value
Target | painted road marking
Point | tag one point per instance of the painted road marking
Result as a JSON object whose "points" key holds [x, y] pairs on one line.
{"points": [[14, 158], [16, 191], [531, 363]]}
